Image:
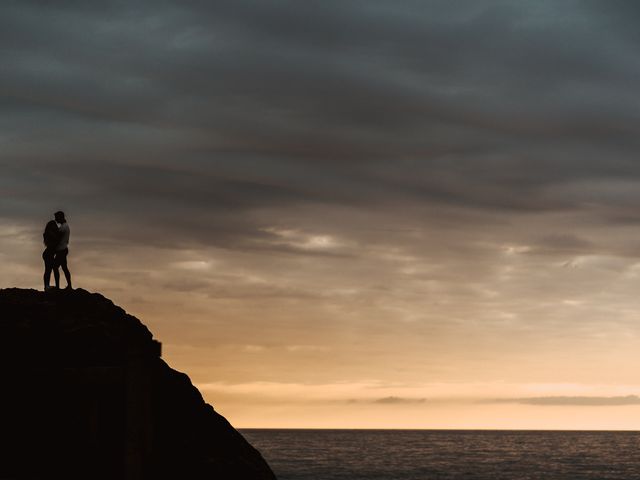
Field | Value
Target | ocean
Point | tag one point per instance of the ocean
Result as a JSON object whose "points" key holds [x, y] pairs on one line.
{"points": [[448, 454]]}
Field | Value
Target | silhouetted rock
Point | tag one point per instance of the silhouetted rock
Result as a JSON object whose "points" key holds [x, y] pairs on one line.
{"points": [[84, 394]]}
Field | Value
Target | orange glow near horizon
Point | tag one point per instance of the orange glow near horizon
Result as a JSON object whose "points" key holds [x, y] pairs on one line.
{"points": [[270, 345]]}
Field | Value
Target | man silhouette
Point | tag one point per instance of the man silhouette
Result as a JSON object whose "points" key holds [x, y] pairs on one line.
{"points": [[62, 250]]}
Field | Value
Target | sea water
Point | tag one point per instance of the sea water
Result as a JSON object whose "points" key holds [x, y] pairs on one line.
{"points": [[448, 454]]}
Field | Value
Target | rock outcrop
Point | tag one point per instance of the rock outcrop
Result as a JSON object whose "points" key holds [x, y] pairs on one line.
{"points": [[86, 395]]}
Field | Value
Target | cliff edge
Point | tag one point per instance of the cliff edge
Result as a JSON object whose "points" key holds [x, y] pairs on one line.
{"points": [[85, 394]]}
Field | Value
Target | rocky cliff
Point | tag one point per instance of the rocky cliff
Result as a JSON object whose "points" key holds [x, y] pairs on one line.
{"points": [[85, 394]]}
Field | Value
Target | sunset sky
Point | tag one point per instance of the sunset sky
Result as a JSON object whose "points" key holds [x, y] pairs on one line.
{"points": [[342, 213]]}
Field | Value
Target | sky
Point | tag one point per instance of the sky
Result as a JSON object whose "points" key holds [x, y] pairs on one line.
{"points": [[344, 213]]}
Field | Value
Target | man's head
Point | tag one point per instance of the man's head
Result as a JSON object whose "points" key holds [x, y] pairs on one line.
{"points": [[59, 216]]}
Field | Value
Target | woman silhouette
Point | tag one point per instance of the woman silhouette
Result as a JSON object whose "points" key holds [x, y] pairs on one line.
{"points": [[51, 238]]}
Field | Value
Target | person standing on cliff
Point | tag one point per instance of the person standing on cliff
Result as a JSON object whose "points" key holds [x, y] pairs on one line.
{"points": [[62, 249], [51, 237]]}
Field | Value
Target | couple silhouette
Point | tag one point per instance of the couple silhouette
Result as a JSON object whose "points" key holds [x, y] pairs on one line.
{"points": [[56, 240]]}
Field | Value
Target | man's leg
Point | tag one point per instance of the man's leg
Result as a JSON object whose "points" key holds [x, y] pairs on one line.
{"points": [[63, 263]]}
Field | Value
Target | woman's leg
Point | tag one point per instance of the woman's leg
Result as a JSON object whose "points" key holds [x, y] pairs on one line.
{"points": [[55, 267], [48, 267]]}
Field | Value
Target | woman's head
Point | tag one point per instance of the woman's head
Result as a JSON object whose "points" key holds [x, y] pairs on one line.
{"points": [[50, 235]]}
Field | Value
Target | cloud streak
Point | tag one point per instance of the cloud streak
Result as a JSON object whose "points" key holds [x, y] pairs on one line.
{"points": [[574, 401]]}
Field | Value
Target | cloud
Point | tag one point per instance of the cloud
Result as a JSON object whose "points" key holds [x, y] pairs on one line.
{"points": [[307, 348], [585, 401], [184, 114], [398, 400], [382, 102]]}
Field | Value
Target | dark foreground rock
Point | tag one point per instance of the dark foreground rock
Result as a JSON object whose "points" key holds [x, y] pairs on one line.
{"points": [[84, 394]]}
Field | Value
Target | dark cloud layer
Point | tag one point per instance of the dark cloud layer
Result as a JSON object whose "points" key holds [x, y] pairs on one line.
{"points": [[243, 106]]}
